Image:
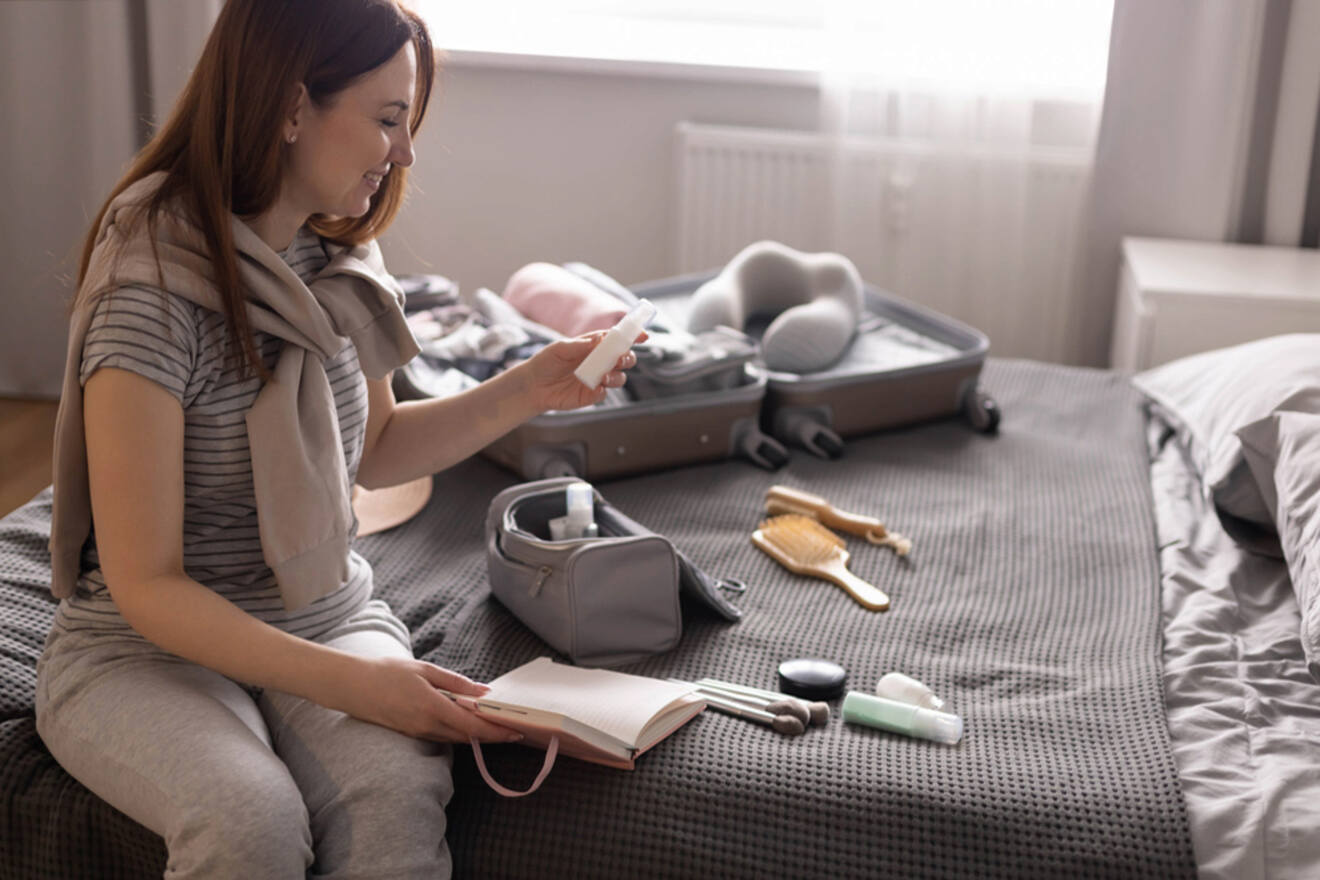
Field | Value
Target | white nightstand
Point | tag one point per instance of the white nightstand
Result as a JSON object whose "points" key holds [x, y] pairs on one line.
{"points": [[1177, 298]]}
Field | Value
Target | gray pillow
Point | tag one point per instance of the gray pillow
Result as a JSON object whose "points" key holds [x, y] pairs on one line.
{"points": [[815, 299], [1210, 396], [1282, 452]]}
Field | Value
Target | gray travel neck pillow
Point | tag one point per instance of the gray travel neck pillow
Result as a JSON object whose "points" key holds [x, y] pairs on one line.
{"points": [[816, 301]]}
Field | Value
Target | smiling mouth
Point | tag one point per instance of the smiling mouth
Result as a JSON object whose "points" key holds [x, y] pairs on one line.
{"points": [[375, 177]]}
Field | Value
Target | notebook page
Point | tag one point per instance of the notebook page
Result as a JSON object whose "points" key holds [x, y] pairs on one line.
{"points": [[615, 702]]}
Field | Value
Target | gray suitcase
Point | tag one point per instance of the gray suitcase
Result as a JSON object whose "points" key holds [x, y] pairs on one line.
{"points": [[716, 415], [612, 441], [908, 364]]}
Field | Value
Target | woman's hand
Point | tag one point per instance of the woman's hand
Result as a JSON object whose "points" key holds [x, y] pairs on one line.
{"points": [[552, 383], [400, 694]]}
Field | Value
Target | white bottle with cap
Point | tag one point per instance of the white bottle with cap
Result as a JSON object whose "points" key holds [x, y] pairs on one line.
{"points": [[897, 686], [579, 522], [616, 341]]}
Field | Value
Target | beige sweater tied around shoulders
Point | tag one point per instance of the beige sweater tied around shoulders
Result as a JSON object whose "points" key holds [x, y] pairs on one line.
{"points": [[298, 469]]}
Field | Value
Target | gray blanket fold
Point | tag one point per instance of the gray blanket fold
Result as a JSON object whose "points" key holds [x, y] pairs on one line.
{"points": [[1030, 604]]}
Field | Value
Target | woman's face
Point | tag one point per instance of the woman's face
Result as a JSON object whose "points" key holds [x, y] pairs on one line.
{"points": [[344, 150]]}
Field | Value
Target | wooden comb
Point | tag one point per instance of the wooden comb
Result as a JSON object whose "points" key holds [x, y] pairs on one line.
{"points": [[804, 546]]}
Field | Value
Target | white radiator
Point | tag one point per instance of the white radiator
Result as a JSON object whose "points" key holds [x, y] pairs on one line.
{"points": [[988, 237]]}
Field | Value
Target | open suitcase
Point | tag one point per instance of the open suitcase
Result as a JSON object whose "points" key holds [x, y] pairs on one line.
{"points": [[711, 411], [610, 441], [907, 364]]}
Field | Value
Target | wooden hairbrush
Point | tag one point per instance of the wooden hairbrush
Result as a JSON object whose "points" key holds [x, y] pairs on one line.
{"points": [[804, 546], [783, 500]]}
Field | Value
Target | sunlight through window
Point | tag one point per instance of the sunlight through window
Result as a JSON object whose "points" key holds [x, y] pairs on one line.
{"points": [[1054, 47]]}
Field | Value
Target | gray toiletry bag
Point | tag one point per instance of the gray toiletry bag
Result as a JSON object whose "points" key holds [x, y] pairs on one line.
{"points": [[601, 601]]}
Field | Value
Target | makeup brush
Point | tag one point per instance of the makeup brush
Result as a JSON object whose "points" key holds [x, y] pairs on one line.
{"points": [[785, 724], [804, 546], [788, 706], [818, 711], [781, 500], [809, 713]]}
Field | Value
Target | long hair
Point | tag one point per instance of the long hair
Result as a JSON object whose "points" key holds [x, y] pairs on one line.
{"points": [[222, 147]]}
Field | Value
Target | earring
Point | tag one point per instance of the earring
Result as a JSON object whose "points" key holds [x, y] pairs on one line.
{"points": [[293, 136]]}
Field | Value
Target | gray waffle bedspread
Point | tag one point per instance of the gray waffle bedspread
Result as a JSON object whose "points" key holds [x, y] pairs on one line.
{"points": [[1031, 604]]}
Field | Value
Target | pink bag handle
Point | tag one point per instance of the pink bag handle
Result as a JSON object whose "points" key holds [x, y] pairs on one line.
{"points": [[550, 752]]}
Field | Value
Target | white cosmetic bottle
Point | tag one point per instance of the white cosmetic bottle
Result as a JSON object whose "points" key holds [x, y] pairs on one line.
{"points": [[617, 340], [897, 686], [579, 521]]}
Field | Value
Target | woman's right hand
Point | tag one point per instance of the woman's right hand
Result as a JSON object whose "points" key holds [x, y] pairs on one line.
{"points": [[400, 693]]}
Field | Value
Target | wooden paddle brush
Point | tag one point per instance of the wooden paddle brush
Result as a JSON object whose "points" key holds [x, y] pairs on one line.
{"points": [[804, 546], [783, 500]]}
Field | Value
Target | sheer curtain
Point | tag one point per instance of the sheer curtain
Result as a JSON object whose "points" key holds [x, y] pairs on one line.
{"points": [[81, 83], [973, 102]]}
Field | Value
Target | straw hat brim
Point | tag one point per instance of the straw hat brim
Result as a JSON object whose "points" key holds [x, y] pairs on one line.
{"points": [[381, 509]]}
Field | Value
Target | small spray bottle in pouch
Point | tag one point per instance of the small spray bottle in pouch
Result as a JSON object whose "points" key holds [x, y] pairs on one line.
{"points": [[618, 339], [579, 522]]}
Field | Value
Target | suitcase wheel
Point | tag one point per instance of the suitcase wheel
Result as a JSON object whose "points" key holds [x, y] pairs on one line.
{"points": [[557, 467], [823, 443], [981, 411], [808, 427], [763, 450], [771, 452], [554, 460]]}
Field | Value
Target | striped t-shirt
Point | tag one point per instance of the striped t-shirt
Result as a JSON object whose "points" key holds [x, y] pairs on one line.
{"points": [[182, 346]]}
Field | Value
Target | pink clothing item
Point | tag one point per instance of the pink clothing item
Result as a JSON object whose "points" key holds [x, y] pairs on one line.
{"points": [[555, 297]]}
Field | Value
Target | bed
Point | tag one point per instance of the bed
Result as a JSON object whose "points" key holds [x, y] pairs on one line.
{"points": [[1136, 697]]}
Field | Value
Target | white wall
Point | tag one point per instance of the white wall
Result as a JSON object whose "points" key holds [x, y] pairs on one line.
{"points": [[69, 102], [68, 127], [514, 165], [521, 165]]}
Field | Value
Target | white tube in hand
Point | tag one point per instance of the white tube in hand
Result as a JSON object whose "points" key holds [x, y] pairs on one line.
{"points": [[616, 341]]}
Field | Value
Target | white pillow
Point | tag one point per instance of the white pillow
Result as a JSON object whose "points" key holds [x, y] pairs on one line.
{"points": [[1282, 452], [1211, 396]]}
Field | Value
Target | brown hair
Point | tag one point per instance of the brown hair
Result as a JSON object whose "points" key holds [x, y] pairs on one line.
{"points": [[222, 147]]}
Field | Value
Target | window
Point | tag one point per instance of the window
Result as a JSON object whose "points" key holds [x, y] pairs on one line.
{"points": [[1058, 48]]}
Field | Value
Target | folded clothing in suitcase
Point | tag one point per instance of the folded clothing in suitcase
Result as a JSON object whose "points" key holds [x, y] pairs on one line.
{"points": [[692, 397]]}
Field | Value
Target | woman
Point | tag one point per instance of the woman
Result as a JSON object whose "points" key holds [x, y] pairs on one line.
{"points": [[217, 669]]}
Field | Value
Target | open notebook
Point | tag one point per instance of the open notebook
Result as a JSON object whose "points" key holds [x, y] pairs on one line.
{"points": [[596, 714]]}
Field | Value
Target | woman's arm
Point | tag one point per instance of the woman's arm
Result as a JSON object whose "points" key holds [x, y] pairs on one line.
{"points": [[415, 438], [134, 432]]}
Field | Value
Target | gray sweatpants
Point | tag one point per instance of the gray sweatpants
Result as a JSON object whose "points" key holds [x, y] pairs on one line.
{"points": [[242, 785]]}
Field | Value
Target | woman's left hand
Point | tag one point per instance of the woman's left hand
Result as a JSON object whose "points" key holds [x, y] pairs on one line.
{"points": [[553, 385]]}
